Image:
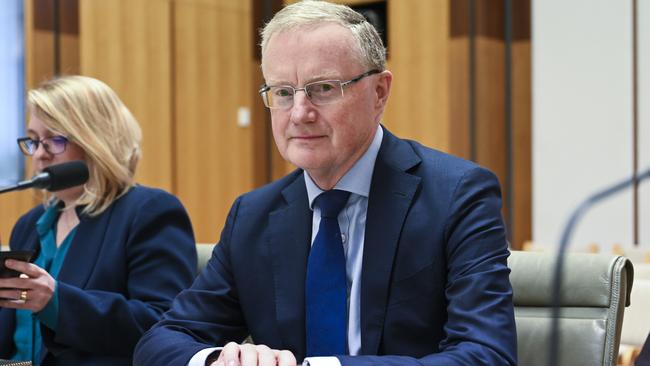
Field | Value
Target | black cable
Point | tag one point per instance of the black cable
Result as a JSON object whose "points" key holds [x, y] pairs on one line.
{"points": [[57, 38], [508, 121], [471, 14], [564, 242]]}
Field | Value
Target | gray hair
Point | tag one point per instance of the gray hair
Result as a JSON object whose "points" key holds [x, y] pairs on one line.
{"points": [[371, 50]]}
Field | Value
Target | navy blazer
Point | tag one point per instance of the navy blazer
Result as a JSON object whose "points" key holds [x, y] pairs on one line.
{"points": [[434, 283], [121, 273]]}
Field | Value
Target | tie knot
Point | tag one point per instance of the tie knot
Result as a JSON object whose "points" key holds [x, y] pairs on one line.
{"points": [[332, 202]]}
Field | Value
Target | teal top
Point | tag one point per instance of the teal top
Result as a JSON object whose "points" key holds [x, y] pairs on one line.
{"points": [[27, 336]]}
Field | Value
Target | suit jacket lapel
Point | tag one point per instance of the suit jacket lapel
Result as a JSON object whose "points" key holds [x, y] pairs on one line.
{"points": [[84, 249], [289, 253], [391, 194]]}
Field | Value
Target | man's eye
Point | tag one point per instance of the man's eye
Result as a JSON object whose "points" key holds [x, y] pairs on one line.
{"points": [[322, 88], [283, 92]]}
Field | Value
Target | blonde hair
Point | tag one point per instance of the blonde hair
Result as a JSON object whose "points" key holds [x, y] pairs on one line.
{"points": [[371, 50], [90, 114]]}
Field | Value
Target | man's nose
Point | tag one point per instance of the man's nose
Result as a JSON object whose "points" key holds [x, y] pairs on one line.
{"points": [[303, 109]]}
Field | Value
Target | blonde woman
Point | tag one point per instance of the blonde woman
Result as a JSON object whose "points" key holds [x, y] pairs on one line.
{"points": [[111, 255]]}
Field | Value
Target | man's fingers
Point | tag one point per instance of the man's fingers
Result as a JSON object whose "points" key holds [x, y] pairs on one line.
{"points": [[265, 356], [229, 355], [247, 355], [234, 354], [285, 358]]}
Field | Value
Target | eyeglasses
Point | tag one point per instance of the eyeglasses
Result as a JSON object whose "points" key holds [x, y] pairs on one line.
{"points": [[319, 92], [53, 145]]}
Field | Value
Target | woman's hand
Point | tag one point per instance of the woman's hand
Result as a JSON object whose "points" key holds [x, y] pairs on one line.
{"points": [[32, 290]]}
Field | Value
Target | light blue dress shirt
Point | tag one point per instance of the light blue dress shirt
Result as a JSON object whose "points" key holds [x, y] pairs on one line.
{"points": [[352, 221]]}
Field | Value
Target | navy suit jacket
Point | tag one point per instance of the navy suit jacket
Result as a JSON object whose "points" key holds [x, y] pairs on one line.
{"points": [[434, 282], [121, 273]]}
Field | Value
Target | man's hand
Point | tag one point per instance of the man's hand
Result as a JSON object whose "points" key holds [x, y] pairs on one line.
{"points": [[234, 354]]}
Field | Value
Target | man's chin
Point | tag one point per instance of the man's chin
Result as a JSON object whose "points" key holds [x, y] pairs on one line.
{"points": [[306, 162]]}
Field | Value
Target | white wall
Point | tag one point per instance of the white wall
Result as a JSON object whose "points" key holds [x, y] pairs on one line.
{"points": [[582, 117], [644, 116], [12, 90]]}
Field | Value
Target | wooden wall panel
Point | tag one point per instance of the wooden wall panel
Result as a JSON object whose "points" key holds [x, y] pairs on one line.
{"points": [[212, 63], [490, 106], [185, 67], [522, 189], [459, 97], [127, 44], [419, 107], [12, 206]]}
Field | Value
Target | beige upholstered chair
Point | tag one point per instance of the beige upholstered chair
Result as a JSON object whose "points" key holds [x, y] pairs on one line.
{"points": [[596, 288]]}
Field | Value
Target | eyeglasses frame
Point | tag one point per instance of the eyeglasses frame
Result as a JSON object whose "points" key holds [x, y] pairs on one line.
{"points": [[265, 88], [39, 142]]}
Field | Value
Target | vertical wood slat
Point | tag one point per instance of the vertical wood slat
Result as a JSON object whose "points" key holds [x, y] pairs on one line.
{"points": [[127, 45], [269, 165], [521, 124], [461, 83], [213, 63], [419, 105]]}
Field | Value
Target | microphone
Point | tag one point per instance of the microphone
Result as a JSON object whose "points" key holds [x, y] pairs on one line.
{"points": [[564, 243], [55, 177]]}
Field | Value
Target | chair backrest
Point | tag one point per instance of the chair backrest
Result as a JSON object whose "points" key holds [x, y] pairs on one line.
{"points": [[595, 291], [637, 320], [204, 252]]}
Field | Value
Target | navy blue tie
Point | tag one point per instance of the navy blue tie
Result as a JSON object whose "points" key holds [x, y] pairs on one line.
{"points": [[326, 284]]}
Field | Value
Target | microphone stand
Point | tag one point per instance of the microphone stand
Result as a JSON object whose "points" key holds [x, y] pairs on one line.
{"points": [[564, 243], [41, 180]]}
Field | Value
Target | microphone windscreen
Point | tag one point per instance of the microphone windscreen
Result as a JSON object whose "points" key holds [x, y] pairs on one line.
{"points": [[66, 175]]}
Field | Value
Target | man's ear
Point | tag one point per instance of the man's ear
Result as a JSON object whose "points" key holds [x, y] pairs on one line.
{"points": [[382, 88]]}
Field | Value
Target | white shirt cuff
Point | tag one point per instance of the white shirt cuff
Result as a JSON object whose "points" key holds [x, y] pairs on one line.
{"points": [[320, 361], [199, 358]]}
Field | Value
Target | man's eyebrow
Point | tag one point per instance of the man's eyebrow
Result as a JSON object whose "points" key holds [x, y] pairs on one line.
{"points": [[333, 75]]}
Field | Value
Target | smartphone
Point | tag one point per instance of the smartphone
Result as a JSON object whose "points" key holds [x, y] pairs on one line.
{"points": [[21, 255]]}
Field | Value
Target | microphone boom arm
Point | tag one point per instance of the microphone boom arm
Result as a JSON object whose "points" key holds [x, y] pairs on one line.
{"points": [[564, 242]]}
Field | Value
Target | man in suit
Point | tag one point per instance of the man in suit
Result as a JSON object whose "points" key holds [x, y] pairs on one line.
{"points": [[421, 243]]}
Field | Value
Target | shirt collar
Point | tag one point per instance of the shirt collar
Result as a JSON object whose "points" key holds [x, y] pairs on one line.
{"points": [[47, 219], [357, 179]]}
